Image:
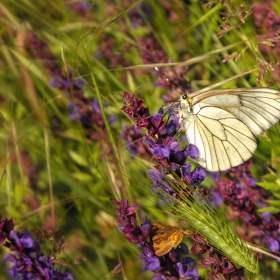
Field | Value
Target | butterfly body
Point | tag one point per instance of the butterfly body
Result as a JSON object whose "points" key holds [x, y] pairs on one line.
{"points": [[223, 123]]}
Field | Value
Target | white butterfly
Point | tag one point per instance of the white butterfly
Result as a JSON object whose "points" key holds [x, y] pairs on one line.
{"points": [[223, 123]]}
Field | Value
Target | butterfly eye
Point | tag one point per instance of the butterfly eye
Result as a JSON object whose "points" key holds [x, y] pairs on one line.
{"points": [[184, 96]]}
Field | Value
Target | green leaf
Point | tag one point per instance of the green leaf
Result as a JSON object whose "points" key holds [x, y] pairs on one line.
{"points": [[273, 154], [277, 195], [277, 167], [270, 209], [275, 203], [273, 187], [270, 177], [78, 159], [83, 177]]}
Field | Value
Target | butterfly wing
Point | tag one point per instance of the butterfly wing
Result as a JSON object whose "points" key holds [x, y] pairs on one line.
{"points": [[224, 123]]}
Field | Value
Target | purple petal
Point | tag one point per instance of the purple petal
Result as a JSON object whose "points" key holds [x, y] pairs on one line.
{"points": [[146, 228], [242, 191], [160, 111], [121, 229], [169, 129], [14, 236], [161, 151], [26, 240], [152, 263], [193, 151], [159, 180], [10, 258], [175, 146], [216, 196], [59, 83], [158, 117], [78, 83], [192, 271], [159, 277], [131, 210], [266, 216], [67, 276], [175, 120], [95, 106], [195, 177], [12, 272], [273, 244], [180, 269], [112, 119], [184, 250]]}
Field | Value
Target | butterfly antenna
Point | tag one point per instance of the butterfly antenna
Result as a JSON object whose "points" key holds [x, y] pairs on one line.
{"points": [[169, 80]]}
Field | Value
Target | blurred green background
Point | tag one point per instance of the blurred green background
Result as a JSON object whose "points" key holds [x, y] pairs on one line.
{"points": [[54, 175]]}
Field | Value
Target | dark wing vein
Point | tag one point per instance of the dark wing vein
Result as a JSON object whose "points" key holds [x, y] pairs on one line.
{"points": [[252, 108]]}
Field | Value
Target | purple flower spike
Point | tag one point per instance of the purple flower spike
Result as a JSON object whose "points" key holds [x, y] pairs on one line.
{"points": [[27, 258], [159, 137], [83, 109], [174, 265], [236, 187]]}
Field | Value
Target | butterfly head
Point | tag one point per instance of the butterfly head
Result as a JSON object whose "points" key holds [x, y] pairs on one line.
{"points": [[185, 103]]}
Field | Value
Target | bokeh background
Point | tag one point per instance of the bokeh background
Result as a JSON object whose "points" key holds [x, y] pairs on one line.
{"points": [[61, 165]]}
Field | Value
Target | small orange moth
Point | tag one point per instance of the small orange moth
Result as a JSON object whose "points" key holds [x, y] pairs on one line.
{"points": [[166, 237]]}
